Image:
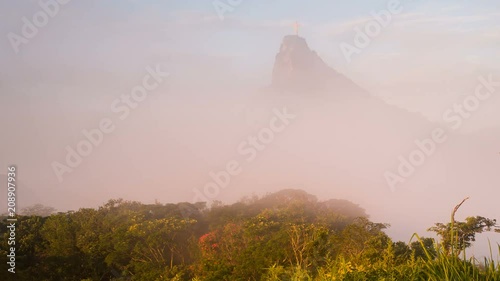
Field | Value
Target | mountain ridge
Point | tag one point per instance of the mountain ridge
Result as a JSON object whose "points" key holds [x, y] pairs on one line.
{"points": [[298, 68]]}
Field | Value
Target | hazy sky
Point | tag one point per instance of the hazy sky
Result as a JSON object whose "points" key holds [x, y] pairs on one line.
{"points": [[453, 39], [67, 76]]}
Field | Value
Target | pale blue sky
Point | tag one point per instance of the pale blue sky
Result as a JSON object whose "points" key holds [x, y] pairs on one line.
{"points": [[95, 29], [430, 47]]}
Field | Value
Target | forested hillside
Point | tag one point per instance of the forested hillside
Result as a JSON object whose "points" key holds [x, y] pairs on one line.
{"points": [[288, 235]]}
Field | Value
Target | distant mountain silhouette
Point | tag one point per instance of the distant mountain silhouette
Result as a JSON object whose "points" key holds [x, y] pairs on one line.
{"points": [[339, 125], [297, 68], [362, 137]]}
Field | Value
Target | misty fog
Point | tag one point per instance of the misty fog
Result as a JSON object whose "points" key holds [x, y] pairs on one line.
{"points": [[219, 95]]}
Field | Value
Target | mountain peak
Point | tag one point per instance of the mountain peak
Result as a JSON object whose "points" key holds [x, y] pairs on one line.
{"points": [[294, 40], [298, 68]]}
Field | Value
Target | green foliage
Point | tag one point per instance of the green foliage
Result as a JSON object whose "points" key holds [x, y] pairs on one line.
{"points": [[464, 233], [425, 248], [288, 235]]}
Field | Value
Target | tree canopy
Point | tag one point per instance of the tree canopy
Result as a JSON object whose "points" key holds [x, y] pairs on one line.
{"points": [[249, 240]]}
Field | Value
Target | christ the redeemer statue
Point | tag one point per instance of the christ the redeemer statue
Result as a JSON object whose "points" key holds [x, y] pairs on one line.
{"points": [[296, 28]]}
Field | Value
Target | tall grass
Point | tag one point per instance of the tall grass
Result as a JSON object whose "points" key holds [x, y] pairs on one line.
{"points": [[446, 267], [438, 267]]}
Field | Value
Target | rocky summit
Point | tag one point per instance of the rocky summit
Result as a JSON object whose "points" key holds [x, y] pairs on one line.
{"points": [[299, 69]]}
